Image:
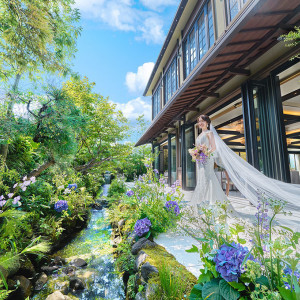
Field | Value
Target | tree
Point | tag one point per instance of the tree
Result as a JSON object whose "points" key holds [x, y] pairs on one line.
{"points": [[292, 39], [99, 138], [35, 36]]}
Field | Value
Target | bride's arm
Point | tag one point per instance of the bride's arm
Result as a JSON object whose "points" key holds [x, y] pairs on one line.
{"points": [[212, 141]]}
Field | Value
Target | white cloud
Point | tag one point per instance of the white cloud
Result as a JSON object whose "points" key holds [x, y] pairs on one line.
{"points": [[136, 82], [123, 15], [134, 108], [157, 4], [152, 31]]}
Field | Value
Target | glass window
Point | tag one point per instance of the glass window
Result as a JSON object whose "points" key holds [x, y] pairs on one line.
{"points": [[193, 57], [171, 80], [234, 6], [199, 40], [186, 58], [190, 165], [156, 101], [211, 34], [202, 36], [173, 160]]}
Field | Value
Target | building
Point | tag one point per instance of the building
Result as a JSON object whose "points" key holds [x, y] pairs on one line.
{"points": [[225, 58]]}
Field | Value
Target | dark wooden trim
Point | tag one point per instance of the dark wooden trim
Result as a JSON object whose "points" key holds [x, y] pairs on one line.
{"points": [[239, 71]]}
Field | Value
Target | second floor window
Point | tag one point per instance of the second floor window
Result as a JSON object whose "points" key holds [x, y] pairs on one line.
{"points": [[171, 81], [156, 102], [200, 39], [233, 7]]}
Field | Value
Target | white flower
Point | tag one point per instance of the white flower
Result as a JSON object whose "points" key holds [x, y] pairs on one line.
{"points": [[33, 179], [67, 191], [23, 188], [10, 195], [15, 185], [27, 183], [61, 187], [24, 178]]}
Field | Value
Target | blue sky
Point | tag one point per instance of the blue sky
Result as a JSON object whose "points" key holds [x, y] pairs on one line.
{"points": [[119, 44]]}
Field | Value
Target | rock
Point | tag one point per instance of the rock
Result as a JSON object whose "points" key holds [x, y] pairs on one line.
{"points": [[79, 262], [117, 241], [49, 269], [146, 270], [25, 286], [57, 295], [42, 279], [150, 291], [140, 244], [26, 268], [140, 296], [58, 261], [76, 284], [70, 271], [121, 223], [132, 238], [141, 257]]}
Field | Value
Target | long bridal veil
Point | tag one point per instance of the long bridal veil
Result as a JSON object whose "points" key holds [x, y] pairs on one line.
{"points": [[250, 182]]}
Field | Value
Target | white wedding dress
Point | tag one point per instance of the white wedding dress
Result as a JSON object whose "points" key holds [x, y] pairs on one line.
{"points": [[208, 188]]}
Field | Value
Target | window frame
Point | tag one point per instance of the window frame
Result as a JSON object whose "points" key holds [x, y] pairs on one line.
{"points": [[156, 99], [170, 86]]}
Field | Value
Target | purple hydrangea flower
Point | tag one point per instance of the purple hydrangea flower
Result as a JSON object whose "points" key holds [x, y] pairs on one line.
{"points": [[289, 272], [229, 261], [173, 206], [155, 171], [130, 193], [10, 195], [72, 186], [142, 226], [61, 205], [147, 165]]}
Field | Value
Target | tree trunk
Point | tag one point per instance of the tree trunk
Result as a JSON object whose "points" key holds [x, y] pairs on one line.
{"points": [[4, 147], [91, 164], [41, 168]]}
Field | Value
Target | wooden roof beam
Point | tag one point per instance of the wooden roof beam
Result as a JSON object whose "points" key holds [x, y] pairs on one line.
{"points": [[210, 94], [240, 71]]}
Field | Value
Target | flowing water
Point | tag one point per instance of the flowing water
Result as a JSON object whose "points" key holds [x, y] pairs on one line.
{"points": [[93, 245]]}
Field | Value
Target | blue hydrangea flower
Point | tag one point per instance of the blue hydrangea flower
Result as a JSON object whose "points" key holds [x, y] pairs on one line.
{"points": [[229, 261], [130, 193], [72, 186], [61, 205], [289, 272], [173, 206], [142, 226]]}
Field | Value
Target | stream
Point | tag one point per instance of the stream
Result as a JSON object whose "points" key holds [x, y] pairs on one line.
{"points": [[92, 244]]}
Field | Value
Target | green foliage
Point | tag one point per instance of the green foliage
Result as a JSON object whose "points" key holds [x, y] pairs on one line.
{"points": [[125, 261], [172, 285], [93, 182], [292, 39], [117, 187]]}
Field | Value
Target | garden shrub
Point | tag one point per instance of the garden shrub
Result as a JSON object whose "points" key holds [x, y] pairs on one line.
{"points": [[117, 187]]}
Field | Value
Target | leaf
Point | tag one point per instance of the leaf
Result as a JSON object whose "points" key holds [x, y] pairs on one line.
{"points": [[227, 291], [203, 278], [211, 290], [241, 241], [263, 280], [287, 294], [238, 286], [193, 249], [3, 280], [196, 292], [202, 239], [148, 234]]}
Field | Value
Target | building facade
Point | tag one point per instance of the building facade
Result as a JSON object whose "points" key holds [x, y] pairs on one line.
{"points": [[225, 58]]}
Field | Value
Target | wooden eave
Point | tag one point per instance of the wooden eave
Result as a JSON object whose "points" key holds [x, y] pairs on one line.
{"points": [[250, 35]]}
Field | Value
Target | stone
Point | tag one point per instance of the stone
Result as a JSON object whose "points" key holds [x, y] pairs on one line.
{"points": [[147, 270], [58, 261], [26, 268], [140, 258], [42, 279], [79, 262], [121, 223], [140, 296], [49, 269], [140, 244], [70, 271], [76, 284], [150, 291], [57, 295], [132, 238], [25, 285]]}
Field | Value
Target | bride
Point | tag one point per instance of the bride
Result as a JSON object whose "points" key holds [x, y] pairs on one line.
{"points": [[249, 181]]}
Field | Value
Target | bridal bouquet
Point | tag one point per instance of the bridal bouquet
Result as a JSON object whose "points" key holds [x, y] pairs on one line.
{"points": [[200, 154]]}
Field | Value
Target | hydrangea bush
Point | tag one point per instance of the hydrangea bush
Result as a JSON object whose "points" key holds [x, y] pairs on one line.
{"points": [[269, 270], [149, 200]]}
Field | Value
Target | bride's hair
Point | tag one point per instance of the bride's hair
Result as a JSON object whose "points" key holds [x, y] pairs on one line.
{"points": [[206, 119]]}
